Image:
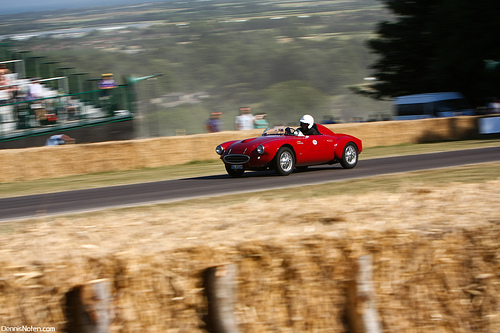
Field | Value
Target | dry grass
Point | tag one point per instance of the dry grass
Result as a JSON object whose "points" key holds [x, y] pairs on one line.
{"points": [[433, 236], [293, 251], [406, 200]]}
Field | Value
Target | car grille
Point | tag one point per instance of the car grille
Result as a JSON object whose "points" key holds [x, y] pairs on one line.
{"points": [[236, 159]]}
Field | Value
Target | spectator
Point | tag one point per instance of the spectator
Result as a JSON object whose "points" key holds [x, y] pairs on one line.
{"points": [[71, 109], [59, 139], [245, 121], [107, 82], [35, 90], [4, 90], [260, 121], [214, 123], [4, 70]]}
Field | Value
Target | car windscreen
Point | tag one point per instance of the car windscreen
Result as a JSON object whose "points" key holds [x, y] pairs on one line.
{"points": [[280, 130]]}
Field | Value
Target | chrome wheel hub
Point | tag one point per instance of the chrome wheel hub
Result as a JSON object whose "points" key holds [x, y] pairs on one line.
{"points": [[286, 161], [350, 155]]}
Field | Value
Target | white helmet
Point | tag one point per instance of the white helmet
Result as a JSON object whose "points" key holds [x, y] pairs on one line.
{"points": [[307, 119]]}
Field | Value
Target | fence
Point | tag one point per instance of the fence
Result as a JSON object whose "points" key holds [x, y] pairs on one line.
{"points": [[22, 117], [66, 98]]}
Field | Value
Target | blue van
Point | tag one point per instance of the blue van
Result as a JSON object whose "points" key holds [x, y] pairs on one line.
{"points": [[442, 104]]}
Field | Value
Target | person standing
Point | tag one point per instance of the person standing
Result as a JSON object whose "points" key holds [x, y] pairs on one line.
{"points": [[214, 124], [260, 121], [35, 90], [106, 84], [245, 121]]}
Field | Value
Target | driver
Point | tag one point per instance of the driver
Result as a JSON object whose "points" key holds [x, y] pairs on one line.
{"points": [[307, 126]]}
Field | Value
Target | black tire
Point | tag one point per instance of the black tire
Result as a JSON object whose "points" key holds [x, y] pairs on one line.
{"points": [[234, 172], [349, 156], [284, 161]]}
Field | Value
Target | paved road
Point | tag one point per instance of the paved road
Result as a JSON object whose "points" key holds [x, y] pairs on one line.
{"points": [[175, 190]]}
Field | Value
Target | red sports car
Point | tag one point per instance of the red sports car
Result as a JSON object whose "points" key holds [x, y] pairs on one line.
{"points": [[283, 149]]}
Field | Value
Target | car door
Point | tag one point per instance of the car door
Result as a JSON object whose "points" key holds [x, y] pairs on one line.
{"points": [[312, 149]]}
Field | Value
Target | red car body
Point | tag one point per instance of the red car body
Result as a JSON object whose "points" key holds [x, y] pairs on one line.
{"points": [[282, 149]]}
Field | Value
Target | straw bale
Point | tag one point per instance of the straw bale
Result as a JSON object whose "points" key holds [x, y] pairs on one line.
{"points": [[106, 156], [294, 287], [387, 133], [60, 161], [435, 262]]}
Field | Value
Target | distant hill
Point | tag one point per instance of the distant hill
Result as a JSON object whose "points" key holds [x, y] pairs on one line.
{"points": [[50, 5]]}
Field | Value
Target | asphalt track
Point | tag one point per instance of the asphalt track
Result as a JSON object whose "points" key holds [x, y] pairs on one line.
{"points": [[175, 190]]}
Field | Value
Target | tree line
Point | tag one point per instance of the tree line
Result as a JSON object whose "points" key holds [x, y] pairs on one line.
{"points": [[438, 45]]}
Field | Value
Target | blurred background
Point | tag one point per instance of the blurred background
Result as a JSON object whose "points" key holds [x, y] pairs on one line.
{"points": [[282, 59]]}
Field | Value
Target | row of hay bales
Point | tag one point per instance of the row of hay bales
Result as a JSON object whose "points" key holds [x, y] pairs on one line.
{"points": [[60, 161], [438, 280]]}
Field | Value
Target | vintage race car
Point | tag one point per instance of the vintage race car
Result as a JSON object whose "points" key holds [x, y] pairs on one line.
{"points": [[283, 149]]}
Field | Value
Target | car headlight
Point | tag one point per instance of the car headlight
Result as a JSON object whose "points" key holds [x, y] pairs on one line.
{"points": [[260, 149], [219, 150]]}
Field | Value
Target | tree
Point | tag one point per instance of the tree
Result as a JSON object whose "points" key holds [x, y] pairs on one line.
{"points": [[437, 45]]}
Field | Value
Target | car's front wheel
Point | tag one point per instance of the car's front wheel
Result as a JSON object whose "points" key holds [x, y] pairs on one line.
{"points": [[349, 156], [284, 162], [234, 172]]}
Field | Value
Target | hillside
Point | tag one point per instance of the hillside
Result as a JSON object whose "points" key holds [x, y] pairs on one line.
{"points": [[281, 58]]}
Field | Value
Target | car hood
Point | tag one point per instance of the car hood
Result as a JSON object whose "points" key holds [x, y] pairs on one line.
{"points": [[248, 145]]}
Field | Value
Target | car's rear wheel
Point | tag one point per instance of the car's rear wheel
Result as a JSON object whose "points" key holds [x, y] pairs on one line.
{"points": [[234, 172], [349, 156], [284, 162]]}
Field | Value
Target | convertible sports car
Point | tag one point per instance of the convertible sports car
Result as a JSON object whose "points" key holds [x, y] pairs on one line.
{"points": [[283, 149]]}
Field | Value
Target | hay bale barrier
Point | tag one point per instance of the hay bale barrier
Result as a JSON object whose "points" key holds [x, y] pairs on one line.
{"points": [[61, 161], [297, 286], [434, 256]]}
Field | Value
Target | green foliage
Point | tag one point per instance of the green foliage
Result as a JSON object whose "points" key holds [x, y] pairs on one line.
{"points": [[237, 53], [438, 45]]}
